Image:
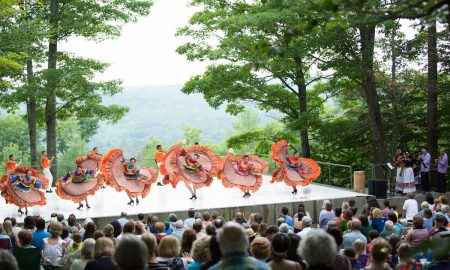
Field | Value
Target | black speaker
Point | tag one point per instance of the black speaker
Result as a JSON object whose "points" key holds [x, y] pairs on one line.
{"points": [[378, 187]]}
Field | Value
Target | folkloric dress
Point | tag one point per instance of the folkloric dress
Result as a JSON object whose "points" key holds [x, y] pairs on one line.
{"points": [[243, 175], [123, 176], [77, 187], [292, 170], [180, 166], [19, 189]]}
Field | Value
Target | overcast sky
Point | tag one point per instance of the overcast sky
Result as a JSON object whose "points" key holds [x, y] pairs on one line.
{"points": [[145, 53]]}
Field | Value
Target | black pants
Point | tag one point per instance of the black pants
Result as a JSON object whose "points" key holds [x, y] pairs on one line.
{"points": [[441, 183], [425, 179]]}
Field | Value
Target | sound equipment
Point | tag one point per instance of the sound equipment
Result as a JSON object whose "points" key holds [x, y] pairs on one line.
{"points": [[378, 187]]}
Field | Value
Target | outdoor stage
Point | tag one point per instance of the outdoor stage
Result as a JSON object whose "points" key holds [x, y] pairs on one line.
{"points": [[107, 203]]}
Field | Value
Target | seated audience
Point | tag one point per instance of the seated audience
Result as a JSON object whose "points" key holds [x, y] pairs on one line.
{"points": [[260, 248], [354, 234], [169, 253], [54, 248], [418, 233], [200, 252], [378, 255], [150, 241]]}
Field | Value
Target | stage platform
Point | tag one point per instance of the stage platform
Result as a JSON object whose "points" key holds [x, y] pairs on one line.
{"points": [[107, 204]]}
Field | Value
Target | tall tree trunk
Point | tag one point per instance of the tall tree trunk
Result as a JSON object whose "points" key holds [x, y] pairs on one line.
{"points": [[367, 35], [301, 87], [432, 136], [394, 95], [31, 114], [50, 108]]}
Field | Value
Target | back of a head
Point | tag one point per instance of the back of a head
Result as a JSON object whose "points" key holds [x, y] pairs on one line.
{"points": [[380, 250], [200, 250], [140, 216], [151, 243], [7, 260], [306, 221], [169, 247], [321, 241], [392, 217], [160, 227], [284, 210], [429, 198], [109, 230], [197, 226], [359, 246], [210, 229], [103, 248], [123, 214], [117, 228], [258, 218], [356, 225], [284, 228], [404, 251], [40, 224], [60, 217], [388, 225], [131, 253], [191, 213], [272, 229], [232, 238], [328, 206], [260, 248], [87, 250], [280, 244], [129, 227], [337, 235], [410, 196], [25, 237]]}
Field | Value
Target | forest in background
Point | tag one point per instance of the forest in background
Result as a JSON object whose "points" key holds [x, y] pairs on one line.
{"points": [[345, 82]]}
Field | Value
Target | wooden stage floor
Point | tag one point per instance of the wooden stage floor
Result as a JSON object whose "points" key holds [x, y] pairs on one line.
{"points": [[108, 203]]}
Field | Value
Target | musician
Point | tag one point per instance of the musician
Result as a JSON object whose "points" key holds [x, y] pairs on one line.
{"points": [[425, 160], [442, 163]]}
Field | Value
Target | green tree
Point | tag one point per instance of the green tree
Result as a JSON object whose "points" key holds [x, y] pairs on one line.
{"points": [[90, 19], [255, 61]]}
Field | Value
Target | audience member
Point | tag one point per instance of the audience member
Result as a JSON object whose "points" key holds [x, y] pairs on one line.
{"points": [[365, 225], [189, 236], [397, 226], [54, 248], [388, 230], [410, 208], [5, 240], [289, 219], [123, 219], [7, 261], [418, 233], [326, 214], [439, 230], [424, 205], [355, 234], [39, 234], [306, 224], [87, 254], [322, 241], [179, 229], [131, 253], [260, 248], [197, 227], [28, 257], [103, 253], [234, 245], [427, 219], [150, 241], [387, 208], [279, 248], [271, 230], [379, 254], [160, 228], [200, 252], [378, 220], [374, 234], [361, 254], [190, 220], [168, 253]]}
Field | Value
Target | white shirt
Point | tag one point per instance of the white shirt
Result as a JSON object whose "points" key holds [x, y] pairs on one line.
{"points": [[411, 207], [304, 232]]}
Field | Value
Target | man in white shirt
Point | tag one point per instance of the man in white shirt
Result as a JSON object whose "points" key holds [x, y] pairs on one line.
{"points": [[410, 208], [123, 218], [306, 224]]}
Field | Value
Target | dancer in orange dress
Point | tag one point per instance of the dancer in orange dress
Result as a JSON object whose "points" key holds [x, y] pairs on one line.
{"points": [[127, 176], [46, 164], [11, 165], [21, 187], [293, 170], [194, 165], [244, 172]]}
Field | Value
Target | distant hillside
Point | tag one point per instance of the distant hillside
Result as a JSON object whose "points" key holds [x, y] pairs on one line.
{"points": [[162, 112]]}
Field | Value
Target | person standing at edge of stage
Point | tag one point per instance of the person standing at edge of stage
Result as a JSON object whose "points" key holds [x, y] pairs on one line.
{"points": [[46, 164], [442, 163], [425, 160], [11, 165], [159, 157]]}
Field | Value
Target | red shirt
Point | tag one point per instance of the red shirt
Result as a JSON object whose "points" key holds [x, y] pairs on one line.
{"points": [[45, 163]]}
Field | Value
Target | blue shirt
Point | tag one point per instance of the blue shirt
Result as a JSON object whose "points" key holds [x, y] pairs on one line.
{"points": [[238, 261], [289, 220], [425, 164], [189, 222], [378, 224], [38, 236], [351, 237]]}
